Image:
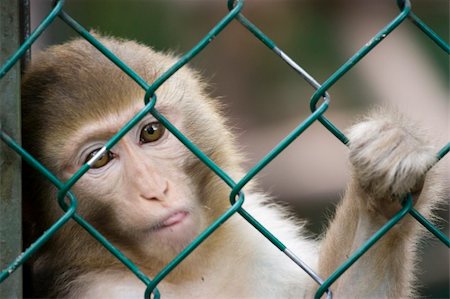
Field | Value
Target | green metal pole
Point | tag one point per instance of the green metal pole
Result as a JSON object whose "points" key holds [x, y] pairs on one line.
{"points": [[10, 163]]}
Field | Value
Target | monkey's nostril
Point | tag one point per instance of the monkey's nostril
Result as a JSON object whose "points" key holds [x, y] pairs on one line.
{"points": [[166, 188]]}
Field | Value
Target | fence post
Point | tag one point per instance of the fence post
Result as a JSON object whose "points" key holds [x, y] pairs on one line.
{"points": [[10, 163]]}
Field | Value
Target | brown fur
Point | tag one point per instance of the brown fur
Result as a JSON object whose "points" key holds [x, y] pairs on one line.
{"points": [[71, 90]]}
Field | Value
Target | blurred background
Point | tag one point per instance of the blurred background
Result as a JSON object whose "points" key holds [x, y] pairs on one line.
{"points": [[265, 99]]}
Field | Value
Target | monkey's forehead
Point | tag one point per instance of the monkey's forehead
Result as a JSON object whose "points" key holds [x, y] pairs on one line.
{"points": [[78, 63], [74, 79]]}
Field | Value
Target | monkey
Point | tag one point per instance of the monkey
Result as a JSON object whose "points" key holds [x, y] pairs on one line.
{"points": [[150, 196]]}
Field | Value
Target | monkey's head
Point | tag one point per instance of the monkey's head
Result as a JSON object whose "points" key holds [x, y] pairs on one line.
{"points": [[149, 191]]}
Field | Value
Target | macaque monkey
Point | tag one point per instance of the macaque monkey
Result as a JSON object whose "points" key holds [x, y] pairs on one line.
{"points": [[150, 196]]}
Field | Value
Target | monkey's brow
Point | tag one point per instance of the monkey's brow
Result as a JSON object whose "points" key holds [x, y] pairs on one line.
{"points": [[106, 128], [103, 129]]}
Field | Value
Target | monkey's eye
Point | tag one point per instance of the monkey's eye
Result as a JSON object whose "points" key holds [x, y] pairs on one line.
{"points": [[102, 161], [152, 132]]}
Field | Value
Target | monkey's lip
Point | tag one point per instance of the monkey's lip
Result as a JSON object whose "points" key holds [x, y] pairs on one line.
{"points": [[173, 219]]}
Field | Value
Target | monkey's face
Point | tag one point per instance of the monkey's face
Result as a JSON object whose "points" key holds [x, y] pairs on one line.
{"points": [[149, 193], [139, 192]]}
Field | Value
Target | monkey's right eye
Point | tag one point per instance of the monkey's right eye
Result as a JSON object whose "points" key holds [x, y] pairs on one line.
{"points": [[102, 161], [152, 132]]}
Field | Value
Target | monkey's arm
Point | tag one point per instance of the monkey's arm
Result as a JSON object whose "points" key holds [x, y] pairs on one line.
{"points": [[388, 161]]}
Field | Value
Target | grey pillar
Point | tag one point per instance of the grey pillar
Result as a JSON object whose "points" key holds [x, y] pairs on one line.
{"points": [[10, 163]]}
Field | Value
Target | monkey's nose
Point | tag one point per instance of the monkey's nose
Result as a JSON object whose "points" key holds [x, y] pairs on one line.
{"points": [[154, 190]]}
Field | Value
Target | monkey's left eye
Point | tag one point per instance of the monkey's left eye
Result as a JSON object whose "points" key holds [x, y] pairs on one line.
{"points": [[152, 132], [102, 161]]}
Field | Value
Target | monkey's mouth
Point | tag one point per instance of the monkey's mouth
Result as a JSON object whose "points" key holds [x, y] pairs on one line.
{"points": [[172, 220]]}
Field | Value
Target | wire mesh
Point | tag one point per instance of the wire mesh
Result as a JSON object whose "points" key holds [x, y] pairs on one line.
{"points": [[237, 197]]}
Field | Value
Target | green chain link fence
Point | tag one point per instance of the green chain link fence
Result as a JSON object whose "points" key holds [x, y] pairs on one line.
{"points": [[237, 197]]}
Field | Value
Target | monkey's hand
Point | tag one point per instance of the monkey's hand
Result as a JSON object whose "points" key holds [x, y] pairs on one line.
{"points": [[389, 160]]}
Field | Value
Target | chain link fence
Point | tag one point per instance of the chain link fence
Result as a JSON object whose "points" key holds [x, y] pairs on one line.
{"points": [[319, 103]]}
